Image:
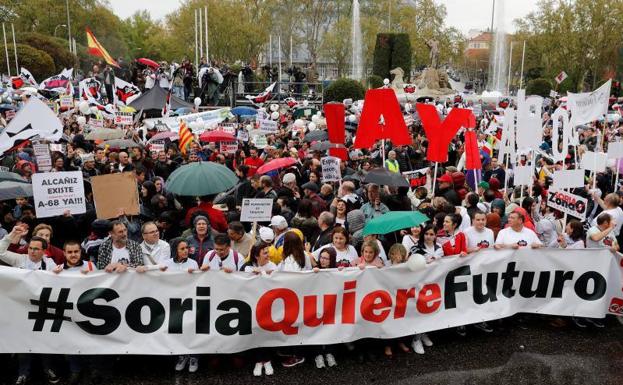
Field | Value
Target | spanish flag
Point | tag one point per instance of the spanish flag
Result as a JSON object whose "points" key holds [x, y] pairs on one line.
{"points": [[185, 137], [96, 49]]}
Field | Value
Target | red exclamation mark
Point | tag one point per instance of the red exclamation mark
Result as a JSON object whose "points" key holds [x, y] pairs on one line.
{"points": [[334, 114]]}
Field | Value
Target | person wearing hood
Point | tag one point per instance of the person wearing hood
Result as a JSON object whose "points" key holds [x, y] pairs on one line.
{"points": [[498, 206], [201, 241]]}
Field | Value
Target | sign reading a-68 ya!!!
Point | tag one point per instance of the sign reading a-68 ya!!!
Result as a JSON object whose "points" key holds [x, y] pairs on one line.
{"points": [[568, 203], [57, 192]]}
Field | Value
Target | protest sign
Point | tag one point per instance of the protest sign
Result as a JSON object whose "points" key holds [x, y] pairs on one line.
{"points": [[331, 169], [615, 150], [67, 101], [256, 210], [156, 146], [588, 106], [229, 128], [267, 126], [33, 119], [228, 147], [124, 119], [243, 135], [96, 123], [523, 175], [57, 147], [568, 203], [561, 77], [56, 192], [101, 313], [568, 179], [417, 178], [594, 161], [42, 156], [114, 192], [260, 141]]}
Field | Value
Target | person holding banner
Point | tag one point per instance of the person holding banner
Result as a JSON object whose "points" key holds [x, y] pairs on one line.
{"points": [[455, 242], [572, 238], [516, 235]]}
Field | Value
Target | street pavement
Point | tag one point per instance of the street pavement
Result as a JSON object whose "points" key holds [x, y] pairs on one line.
{"points": [[540, 354]]}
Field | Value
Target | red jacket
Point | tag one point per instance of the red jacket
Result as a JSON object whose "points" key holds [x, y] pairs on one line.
{"points": [[460, 245], [217, 219], [253, 165]]}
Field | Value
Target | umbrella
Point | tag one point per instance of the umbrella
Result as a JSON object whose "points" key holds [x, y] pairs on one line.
{"points": [[217, 136], [7, 107], [7, 175], [105, 134], [148, 62], [12, 189], [121, 144], [359, 176], [201, 178], [324, 146], [276, 164], [164, 135], [385, 177], [244, 111], [304, 112], [394, 220], [316, 136]]}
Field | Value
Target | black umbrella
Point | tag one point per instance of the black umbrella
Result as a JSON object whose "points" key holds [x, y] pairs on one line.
{"points": [[316, 136], [359, 176], [324, 146], [385, 177]]}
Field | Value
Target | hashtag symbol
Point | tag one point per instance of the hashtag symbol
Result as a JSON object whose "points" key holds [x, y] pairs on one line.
{"points": [[57, 314]]}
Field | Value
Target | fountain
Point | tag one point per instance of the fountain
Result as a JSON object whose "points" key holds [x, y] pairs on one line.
{"points": [[357, 44], [499, 56]]}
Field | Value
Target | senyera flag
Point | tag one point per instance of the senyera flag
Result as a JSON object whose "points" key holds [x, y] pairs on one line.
{"points": [[96, 49]]}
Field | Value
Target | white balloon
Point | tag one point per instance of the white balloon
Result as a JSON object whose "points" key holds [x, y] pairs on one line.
{"points": [[274, 115], [311, 126], [416, 262], [197, 101], [319, 113], [305, 102], [274, 107], [408, 107], [84, 107], [352, 118], [299, 123], [386, 81], [315, 118], [81, 120]]}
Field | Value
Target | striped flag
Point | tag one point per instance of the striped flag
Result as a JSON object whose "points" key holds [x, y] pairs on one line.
{"points": [[186, 136], [96, 49]]}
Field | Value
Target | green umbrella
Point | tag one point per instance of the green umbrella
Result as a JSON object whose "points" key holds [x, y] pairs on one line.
{"points": [[394, 220], [201, 178], [304, 112]]}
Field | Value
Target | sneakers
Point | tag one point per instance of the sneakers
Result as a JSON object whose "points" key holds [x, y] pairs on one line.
{"points": [[268, 368], [257, 371], [319, 361], [483, 326], [417, 345], [596, 322], [461, 331], [182, 361], [193, 364], [21, 380], [52, 377], [579, 322], [331, 360], [426, 340], [292, 361]]}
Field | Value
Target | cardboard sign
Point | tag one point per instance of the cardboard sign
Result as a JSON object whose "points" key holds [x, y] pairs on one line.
{"points": [[568, 203], [243, 135], [615, 150], [523, 175], [67, 101], [256, 210], [568, 179], [229, 147], [113, 192], [417, 178], [331, 169], [42, 155], [56, 192], [124, 119], [594, 161], [268, 126]]}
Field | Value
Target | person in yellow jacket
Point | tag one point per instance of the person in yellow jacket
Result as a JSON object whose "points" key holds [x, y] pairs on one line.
{"points": [[391, 163], [280, 228]]}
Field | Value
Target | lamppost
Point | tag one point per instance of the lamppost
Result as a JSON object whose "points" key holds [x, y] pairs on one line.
{"points": [[60, 25]]}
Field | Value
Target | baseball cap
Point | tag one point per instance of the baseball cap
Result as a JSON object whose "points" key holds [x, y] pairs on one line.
{"points": [[445, 178], [279, 222], [267, 234]]}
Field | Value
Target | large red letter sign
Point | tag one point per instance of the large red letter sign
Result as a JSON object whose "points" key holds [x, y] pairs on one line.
{"points": [[472, 154], [439, 134], [334, 113], [381, 102]]}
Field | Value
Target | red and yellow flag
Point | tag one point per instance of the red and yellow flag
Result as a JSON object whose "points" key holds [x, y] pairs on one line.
{"points": [[185, 137], [96, 49]]}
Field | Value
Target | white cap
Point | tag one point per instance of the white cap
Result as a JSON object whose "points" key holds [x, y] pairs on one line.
{"points": [[279, 222], [289, 178], [267, 234]]}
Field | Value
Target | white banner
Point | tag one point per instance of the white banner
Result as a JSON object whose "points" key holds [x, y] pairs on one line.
{"points": [[56, 192], [215, 312], [208, 118], [267, 126], [588, 106], [256, 210], [566, 202], [331, 171], [228, 147]]}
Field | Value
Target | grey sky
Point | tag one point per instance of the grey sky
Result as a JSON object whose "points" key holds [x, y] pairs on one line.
{"points": [[462, 14]]}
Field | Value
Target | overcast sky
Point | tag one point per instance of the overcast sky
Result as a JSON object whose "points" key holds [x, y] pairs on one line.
{"points": [[462, 14]]}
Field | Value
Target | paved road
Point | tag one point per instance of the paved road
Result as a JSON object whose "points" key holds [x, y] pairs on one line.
{"points": [[539, 355]]}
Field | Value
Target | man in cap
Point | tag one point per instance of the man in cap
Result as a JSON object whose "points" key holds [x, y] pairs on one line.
{"points": [[445, 189], [310, 189]]}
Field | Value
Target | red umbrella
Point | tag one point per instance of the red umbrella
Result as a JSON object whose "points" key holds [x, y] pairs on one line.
{"points": [[276, 164], [148, 62], [217, 136]]}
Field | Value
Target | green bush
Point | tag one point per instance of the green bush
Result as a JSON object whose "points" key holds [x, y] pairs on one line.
{"points": [[59, 52], [344, 89], [390, 51], [540, 87], [375, 81], [38, 62]]}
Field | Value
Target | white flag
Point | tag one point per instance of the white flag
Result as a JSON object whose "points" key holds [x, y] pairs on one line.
{"points": [[589, 106]]}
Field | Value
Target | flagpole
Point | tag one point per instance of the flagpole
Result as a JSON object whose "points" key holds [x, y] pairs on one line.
{"points": [[434, 179], [15, 49], [68, 25], [291, 51], [523, 58], [206, 24], [279, 77], [6, 51], [200, 33], [196, 42], [510, 61], [270, 52]]}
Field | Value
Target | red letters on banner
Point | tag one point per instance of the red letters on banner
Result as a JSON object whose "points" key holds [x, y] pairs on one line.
{"points": [[472, 154], [381, 102], [438, 133], [334, 114]]}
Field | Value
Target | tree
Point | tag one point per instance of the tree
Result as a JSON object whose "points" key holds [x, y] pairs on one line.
{"points": [[38, 62], [344, 89], [58, 52], [142, 36], [392, 50]]}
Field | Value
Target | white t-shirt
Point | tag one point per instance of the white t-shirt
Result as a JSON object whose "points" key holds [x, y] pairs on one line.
{"points": [[121, 255], [219, 264], [607, 241], [480, 239], [267, 267], [617, 217], [523, 238], [290, 264], [343, 257], [410, 244], [158, 252], [85, 265], [189, 263]]}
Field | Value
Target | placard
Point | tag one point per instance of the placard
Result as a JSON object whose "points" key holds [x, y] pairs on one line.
{"points": [[96, 123], [568, 203], [268, 126], [523, 175], [615, 150], [42, 155], [57, 147], [417, 178], [256, 210], [568, 179], [156, 146], [56, 192], [67, 101], [228, 147], [243, 135], [594, 161], [229, 128], [331, 169], [113, 192], [260, 141], [124, 119]]}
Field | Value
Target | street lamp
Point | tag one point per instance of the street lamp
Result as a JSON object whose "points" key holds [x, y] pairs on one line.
{"points": [[60, 25]]}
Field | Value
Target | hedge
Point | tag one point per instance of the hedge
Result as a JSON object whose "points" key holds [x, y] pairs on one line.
{"points": [[38, 62], [540, 87], [59, 53], [390, 51], [344, 89]]}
